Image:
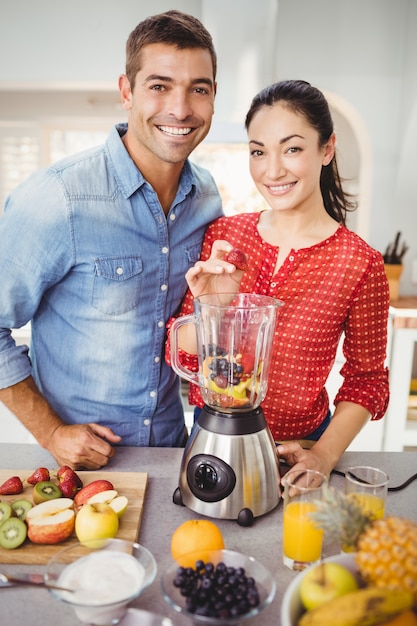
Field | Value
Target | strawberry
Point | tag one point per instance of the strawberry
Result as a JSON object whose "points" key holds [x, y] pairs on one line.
{"points": [[69, 481], [238, 258], [11, 486], [247, 362], [40, 474], [65, 471]]}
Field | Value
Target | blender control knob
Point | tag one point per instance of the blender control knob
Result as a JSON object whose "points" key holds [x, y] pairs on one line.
{"points": [[206, 476], [209, 478]]}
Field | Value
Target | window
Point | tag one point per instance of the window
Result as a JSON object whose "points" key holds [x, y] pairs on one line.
{"points": [[19, 156], [228, 163], [25, 148]]}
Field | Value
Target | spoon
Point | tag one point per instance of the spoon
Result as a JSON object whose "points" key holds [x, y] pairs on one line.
{"points": [[14, 580]]}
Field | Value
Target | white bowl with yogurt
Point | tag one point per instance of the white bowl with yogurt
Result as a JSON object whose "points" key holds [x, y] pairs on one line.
{"points": [[103, 580]]}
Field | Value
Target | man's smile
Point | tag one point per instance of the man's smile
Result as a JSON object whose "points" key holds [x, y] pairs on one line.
{"points": [[175, 130]]}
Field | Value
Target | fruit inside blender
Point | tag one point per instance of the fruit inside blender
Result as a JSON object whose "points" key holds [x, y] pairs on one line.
{"points": [[232, 380]]}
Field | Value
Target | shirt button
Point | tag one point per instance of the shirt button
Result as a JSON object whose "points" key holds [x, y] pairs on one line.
{"points": [[146, 422], [157, 359], [164, 287], [273, 284], [152, 394], [172, 217], [291, 258], [119, 271], [160, 324], [165, 250]]}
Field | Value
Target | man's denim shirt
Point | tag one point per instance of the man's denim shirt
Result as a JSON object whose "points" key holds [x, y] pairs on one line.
{"points": [[87, 254]]}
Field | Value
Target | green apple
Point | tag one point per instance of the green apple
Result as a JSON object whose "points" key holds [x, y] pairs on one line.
{"points": [[324, 582], [95, 522]]}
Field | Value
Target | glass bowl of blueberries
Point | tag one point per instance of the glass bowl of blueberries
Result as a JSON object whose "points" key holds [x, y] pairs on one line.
{"points": [[224, 589]]}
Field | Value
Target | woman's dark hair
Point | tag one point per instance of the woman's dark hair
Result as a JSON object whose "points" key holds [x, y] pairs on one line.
{"points": [[172, 28], [301, 97]]}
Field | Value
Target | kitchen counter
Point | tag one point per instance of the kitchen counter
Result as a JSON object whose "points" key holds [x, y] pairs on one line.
{"points": [[22, 606]]}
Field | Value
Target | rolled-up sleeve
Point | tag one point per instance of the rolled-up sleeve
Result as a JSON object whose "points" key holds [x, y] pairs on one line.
{"points": [[365, 372]]}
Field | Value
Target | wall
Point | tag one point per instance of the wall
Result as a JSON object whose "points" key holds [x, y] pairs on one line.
{"points": [[366, 52], [82, 41], [363, 52]]}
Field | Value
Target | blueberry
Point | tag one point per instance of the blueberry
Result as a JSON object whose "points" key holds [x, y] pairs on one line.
{"points": [[219, 592], [206, 583]]}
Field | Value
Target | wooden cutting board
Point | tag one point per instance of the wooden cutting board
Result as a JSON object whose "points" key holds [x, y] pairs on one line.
{"points": [[130, 484]]}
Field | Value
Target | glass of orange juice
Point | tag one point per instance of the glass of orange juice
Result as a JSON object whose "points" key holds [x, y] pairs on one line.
{"points": [[368, 486], [302, 540]]}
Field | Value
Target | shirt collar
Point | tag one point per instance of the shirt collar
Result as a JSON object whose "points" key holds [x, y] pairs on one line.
{"points": [[128, 176]]}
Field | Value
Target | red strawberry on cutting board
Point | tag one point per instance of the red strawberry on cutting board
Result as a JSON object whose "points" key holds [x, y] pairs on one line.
{"points": [[40, 474], [11, 486]]}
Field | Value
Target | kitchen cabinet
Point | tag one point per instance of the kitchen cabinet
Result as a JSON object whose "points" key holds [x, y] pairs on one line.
{"points": [[400, 430]]}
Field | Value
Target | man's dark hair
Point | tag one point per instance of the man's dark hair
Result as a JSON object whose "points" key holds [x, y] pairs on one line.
{"points": [[172, 28]]}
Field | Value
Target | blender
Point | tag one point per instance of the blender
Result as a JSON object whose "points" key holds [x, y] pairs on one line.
{"points": [[229, 469]]}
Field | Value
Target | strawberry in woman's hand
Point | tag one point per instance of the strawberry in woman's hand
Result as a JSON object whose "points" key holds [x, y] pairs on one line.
{"points": [[237, 258]]}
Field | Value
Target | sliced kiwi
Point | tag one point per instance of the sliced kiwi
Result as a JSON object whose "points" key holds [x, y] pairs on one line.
{"points": [[6, 511], [45, 490], [21, 507], [13, 532]]}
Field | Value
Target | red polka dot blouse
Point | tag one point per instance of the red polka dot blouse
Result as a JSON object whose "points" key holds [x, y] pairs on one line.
{"points": [[338, 285]]}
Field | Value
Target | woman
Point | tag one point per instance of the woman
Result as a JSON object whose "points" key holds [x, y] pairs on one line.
{"points": [[331, 281]]}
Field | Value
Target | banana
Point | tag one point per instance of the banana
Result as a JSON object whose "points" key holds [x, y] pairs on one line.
{"points": [[363, 607]]}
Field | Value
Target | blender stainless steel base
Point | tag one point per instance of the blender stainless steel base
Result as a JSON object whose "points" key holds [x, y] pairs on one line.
{"points": [[230, 469]]}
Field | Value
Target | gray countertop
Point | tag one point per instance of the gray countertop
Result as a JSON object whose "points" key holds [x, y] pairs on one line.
{"points": [[24, 606]]}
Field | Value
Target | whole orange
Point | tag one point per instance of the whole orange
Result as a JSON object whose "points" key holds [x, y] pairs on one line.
{"points": [[194, 540]]}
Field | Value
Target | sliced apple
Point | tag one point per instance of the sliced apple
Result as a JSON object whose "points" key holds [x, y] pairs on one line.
{"points": [[103, 496], [52, 521], [119, 504], [86, 492]]}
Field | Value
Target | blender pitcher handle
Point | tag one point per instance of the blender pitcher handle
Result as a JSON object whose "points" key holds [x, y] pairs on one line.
{"points": [[177, 366]]}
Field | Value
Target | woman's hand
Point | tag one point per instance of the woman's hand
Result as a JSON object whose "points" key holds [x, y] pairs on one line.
{"points": [[300, 459], [214, 275]]}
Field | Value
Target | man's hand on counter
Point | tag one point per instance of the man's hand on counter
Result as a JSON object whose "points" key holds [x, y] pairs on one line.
{"points": [[82, 446]]}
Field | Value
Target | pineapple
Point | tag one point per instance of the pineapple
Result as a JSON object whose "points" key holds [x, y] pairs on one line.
{"points": [[385, 550], [387, 554]]}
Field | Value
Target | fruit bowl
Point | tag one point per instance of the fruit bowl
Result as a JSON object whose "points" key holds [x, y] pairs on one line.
{"points": [[291, 607], [252, 569], [104, 578]]}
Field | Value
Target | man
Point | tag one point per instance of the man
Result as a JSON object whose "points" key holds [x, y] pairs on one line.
{"points": [[93, 251]]}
